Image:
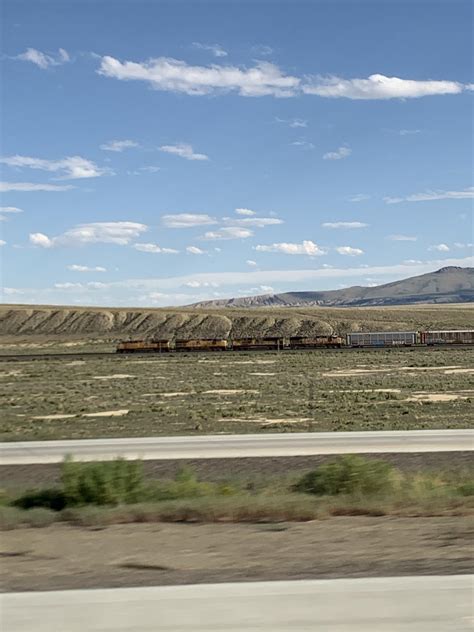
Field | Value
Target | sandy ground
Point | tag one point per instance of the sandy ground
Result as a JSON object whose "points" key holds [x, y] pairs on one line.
{"points": [[66, 557]]}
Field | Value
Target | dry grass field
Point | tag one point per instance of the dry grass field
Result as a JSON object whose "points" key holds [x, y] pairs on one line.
{"points": [[120, 396]]}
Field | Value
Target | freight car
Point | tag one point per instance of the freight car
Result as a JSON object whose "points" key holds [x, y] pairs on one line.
{"points": [[143, 346], [258, 344], [454, 337], [383, 339], [201, 344], [315, 342]]}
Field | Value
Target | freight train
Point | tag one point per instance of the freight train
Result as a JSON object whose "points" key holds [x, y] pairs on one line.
{"points": [[280, 343]]}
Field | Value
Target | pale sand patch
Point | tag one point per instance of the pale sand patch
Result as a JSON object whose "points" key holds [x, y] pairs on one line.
{"points": [[75, 363], [449, 371], [13, 373], [54, 416], [368, 390], [146, 361], [108, 413], [115, 376], [262, 373], [72, 344], [225, 391], [177, 394], [268, 422], [251, 362], [435, 397], [362, 372]]}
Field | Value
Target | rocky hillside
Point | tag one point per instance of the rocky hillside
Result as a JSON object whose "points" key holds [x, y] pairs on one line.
{"points": [[447, 285], [31, 324]]}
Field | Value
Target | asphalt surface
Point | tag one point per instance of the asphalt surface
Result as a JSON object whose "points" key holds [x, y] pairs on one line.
{"points": [[395, 604], [228, 446]]}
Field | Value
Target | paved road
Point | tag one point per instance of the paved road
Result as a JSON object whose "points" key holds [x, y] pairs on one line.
{"points": [[397, 604], [225, 446]]}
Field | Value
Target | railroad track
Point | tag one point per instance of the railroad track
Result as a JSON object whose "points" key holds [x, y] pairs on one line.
{"points": [[19, 357]]}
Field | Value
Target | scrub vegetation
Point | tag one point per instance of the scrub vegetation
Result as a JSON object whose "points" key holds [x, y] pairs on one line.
{"points": [[164, 394], [94, 494]]}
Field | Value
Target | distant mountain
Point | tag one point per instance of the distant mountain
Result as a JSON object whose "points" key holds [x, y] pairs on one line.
{"points": [[447, 285]]}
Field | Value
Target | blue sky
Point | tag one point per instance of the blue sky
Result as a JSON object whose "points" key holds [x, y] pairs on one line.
{"points": [[161, 153]]}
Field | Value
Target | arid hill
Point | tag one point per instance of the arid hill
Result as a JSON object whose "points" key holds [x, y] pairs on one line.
{"points": [[52, 323], [447, 285]]}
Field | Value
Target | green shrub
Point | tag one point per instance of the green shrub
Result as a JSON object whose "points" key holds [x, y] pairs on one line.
{"points": [[185, 485], [349, 474], [40, 517], [52, 498], [10, 518], [102, 483]]}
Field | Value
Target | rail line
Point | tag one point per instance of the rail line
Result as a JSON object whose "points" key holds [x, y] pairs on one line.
{"points": [[19, 357]]}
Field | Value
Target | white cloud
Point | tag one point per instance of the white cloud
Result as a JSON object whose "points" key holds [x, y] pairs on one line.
{"points": [[244, 211], [40, 239], [74, 267], [460, 245], [258, 222], [342, 152], [344, 225], [10, 291], [184, 151], [295, 123], [359, 197], [215, 49], [43, 60], [440, 247], [262, 49], [195, 284], [33, 186], [172, 75], [119, 233], [251, 263], [402, 238], [409, 132], [433, 195], [155, 249], [349, 251], [71, 167], [187, 220], [3, 242], [92, 285], [8, 210], [304, 144], [194, 250], [307, 247], [265, 78], [231, 232], [150, 169], [118, 145], [379, 87]]}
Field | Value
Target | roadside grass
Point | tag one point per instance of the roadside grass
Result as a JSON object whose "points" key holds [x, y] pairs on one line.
{"points": [[102, 494]]}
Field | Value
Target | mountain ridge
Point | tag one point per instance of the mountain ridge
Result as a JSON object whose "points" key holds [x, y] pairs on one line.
{"points": [[450, 284]]}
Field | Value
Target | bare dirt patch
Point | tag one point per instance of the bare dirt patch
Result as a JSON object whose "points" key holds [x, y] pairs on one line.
{"points": [[65, 557], [115, 376], [108, 413]]}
